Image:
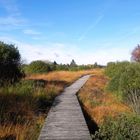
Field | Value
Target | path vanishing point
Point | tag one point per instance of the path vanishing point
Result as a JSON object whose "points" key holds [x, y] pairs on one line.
{"points": [[65, 120]]}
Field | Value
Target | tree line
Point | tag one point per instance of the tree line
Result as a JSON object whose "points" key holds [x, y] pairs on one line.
{"points": [[40, 66], [12, 69]]}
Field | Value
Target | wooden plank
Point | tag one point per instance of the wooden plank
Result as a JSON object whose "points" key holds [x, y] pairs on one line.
{"points": [[65, 120]]}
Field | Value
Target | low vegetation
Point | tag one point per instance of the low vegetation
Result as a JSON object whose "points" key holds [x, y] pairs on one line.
{"points": [[113, 116], [25, 102], [24, 105], [111, 97], [125, 82], [41, 67], [37, 67]]}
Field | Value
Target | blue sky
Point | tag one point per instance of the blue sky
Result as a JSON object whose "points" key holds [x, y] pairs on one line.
{"points": [[85, 30]]}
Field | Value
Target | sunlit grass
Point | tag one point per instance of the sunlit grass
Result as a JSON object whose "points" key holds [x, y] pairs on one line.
{"points": [[27, 131], [97, 102], [24, 106], [66, 76]]}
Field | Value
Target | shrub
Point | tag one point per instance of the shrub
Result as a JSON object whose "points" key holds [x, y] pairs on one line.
{"points": [[130, 86], [37, 67], [121, 128], [113, 68], [10, 64], [73, 63], [114, 71], [125, 81]]}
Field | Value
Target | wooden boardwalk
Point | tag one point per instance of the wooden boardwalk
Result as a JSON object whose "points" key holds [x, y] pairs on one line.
{"points": [[65, 120]]}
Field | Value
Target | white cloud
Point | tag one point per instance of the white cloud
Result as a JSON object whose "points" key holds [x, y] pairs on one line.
{"points": [[31, 32], [10, 7], [103, 56], [48, 51], [11, 21], [64, 53]]}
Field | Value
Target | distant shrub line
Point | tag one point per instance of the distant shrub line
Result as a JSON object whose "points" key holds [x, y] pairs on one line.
{"points": [[45, 67]]}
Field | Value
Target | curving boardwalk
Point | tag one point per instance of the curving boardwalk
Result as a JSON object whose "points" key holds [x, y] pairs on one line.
{"points": [[65, 120]]}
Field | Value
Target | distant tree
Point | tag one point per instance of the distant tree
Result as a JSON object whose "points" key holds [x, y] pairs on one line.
{"points": [[53, 66], [54, 63], [73, 63], [95, 65], [10, 64], [38, 67], [136, 54]]}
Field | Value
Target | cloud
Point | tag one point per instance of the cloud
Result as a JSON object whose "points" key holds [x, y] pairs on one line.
{"points": [[11, 21], [49, 51], [56, 54], [31, 32], [12, 18], [64, 53], [91, 27], [11, 7]]}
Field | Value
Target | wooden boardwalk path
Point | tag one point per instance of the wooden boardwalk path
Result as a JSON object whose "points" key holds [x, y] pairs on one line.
{"points": [[65, 120]]}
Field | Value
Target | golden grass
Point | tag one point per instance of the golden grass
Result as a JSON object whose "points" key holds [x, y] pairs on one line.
{"points": [[23, 106], [25, 131], [67, 76], [97, 102], [22, 117]]}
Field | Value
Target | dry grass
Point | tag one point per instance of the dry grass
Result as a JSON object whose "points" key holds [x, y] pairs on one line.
{"points": [[24, 109], [65, 76], [23, 114], [97, 102], [27, 131]]}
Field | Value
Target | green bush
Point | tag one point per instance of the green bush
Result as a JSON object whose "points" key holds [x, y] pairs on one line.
{"points": [[115, 68], [123, 127], [113, 85], [110, 69], [130, 86], [125, 81], [114, 71], [10, 64], [37, 67], [130, 78]]}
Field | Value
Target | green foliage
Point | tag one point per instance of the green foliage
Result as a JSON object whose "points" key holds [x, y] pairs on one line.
{"points": [[37, 67], [30, 96], [125, 81], [42, 67], [73, 63], [123, 127], [62, 67], [113, 85], [10, 64], [130, 86], [22, 104], [114, 71], [117, 68], [130, 79]]}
